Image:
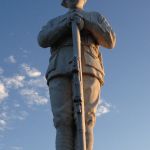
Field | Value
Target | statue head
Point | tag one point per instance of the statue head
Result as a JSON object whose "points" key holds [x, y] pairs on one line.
{"points": [[73, 4]]}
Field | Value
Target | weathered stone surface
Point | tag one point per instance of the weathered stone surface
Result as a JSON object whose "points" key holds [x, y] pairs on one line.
{"points": [[95, 31]]}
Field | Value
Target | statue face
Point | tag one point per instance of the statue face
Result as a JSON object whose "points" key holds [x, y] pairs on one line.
{"points": [[74, 3]]}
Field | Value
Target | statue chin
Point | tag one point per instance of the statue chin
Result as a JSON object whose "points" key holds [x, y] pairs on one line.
{"points": [[73, 4]]}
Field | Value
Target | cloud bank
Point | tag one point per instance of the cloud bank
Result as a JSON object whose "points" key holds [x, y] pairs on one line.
{"points": [[11, 59], [28, 83], [31, 71], [103, 108], [3, 92]]}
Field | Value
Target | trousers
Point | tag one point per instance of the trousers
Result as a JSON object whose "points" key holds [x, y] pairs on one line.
{"points": [[60, 89]]}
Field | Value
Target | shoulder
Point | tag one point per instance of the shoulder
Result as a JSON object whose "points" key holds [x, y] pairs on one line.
{"points": [[57, 19], [94, 15]]}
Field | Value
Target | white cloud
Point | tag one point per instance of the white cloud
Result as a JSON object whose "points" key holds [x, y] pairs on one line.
{"points": [[3, 92], [103, 108], [2, 125], [35, 90], [14, 82], [30, 84], [31, 72], [33, 97], [10, 114], [19, 115], [3, 121], [22, 115], [17, 105], [24, 51], [39, 82], [11, 59], [1, 71]]}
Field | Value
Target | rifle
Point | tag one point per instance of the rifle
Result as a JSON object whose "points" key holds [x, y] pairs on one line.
{"points": [[77, 87]]}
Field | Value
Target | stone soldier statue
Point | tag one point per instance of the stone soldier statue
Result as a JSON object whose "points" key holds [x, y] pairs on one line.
{"points": [[95, 31]]}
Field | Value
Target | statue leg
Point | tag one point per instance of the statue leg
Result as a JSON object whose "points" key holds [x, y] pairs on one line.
{"points": [[91, 87], [62, 107]]}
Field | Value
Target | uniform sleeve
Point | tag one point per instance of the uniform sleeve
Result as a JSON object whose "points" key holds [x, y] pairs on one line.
{"points": [[99, 27], [53, 31]]}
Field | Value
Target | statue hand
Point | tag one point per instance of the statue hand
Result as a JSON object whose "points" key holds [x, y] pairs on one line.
{"points": [[77, 17]]}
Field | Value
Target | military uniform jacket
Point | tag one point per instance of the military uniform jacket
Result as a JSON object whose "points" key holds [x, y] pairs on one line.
{"points": [[57, 35]]}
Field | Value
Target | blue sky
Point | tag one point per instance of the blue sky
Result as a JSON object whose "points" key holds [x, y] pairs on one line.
{"points": [[25, 114]]}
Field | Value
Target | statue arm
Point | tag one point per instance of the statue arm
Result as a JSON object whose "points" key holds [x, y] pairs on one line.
{"points": [[99, 27], [53, 31]]}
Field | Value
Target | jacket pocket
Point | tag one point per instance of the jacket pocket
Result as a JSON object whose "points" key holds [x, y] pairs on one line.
{"points": [[52, 63], [93, 61], [92, 51]]}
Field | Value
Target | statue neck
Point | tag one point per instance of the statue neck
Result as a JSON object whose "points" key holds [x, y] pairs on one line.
{"points": [[78, 9]]}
